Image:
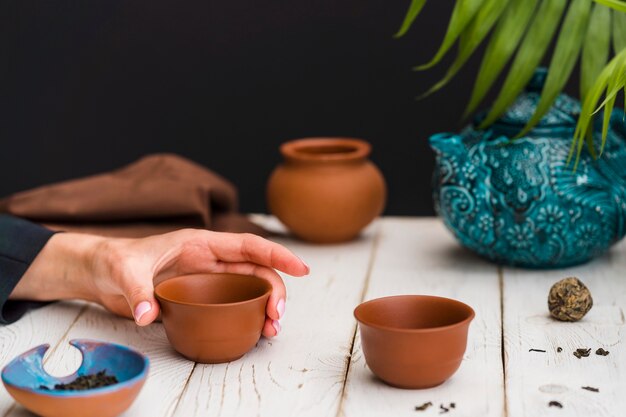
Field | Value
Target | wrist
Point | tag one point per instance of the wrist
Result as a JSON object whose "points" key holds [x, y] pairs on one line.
{"points": [[62, 270]]}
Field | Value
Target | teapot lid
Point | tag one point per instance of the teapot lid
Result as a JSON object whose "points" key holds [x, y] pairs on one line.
{"points": [[563, 113]]}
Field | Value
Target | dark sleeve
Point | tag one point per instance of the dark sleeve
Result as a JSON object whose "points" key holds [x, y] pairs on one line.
{"points": [[20, 242]]}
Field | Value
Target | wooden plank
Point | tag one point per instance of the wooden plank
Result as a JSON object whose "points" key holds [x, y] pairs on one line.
{"points": [[302, 371], [45, 325], [418, 256], [534, 379], [168, 371]]}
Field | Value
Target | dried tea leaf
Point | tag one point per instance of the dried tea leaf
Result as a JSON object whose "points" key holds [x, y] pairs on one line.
{"points": [[85, 382], [569, 300], [423, 407], [602, 352], [582, 352]]}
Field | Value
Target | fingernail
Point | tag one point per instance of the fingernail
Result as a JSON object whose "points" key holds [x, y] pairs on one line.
{"points": [[276, 325], [280, 307], [141, 309], [308, 269]]}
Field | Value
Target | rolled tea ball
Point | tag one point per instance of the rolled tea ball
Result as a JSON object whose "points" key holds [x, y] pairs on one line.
{"points": [[569, 300]]}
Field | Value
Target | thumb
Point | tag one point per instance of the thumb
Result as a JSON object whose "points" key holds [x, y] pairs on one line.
{"points": [[140, 297]]}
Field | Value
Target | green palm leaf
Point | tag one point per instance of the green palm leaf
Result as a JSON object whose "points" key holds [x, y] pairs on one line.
{"points": [[528, 26], [471, 38], [614, 4], [595, 48], [619, 36], [610, 79], [616, 82], [505, 38], [528, 57], [414, 9], [619, 31], [613, 85], [463, 13], [564, 58]]}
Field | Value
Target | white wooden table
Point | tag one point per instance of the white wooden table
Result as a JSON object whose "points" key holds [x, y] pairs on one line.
{"points": [[316, 367]]}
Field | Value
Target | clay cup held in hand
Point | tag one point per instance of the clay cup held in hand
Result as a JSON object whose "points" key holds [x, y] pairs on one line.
{"points": [[213, 318]]}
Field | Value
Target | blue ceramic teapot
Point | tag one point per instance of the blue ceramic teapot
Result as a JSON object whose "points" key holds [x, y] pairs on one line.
{"points": [[518, 202]]}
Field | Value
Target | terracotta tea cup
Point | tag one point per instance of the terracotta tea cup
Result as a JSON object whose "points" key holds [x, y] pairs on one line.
{"points": [[213, 318], [327, 190], [414, 341], [26, 381]]}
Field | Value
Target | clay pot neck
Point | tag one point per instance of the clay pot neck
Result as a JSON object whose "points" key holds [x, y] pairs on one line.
{"points": [[325, 150]]}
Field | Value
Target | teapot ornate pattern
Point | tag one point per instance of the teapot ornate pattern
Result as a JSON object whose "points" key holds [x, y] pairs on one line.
{"points": [[518, 201]]}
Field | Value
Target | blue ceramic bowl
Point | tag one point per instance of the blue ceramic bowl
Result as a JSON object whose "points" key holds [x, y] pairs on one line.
{"points": [[24, 377]]}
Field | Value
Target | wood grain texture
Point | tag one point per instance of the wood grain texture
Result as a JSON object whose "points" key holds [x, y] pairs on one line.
{"points": [[418, 256], [45, 325], [533, 379], [316, 367], [302, 371], [168, 371]]}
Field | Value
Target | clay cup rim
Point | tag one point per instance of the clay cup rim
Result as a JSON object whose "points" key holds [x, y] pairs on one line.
{"points": [[362, 309], [325, 149], [263, 284]]}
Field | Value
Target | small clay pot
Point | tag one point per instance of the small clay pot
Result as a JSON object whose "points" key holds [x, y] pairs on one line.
{"points": [[327, 190], [414, 341], [213, 318]]}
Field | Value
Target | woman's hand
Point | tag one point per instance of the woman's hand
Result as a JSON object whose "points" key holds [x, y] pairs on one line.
{"points": [[119, 273]]}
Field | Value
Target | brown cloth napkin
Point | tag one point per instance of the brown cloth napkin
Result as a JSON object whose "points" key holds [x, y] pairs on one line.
{"points": [[156, 194]]}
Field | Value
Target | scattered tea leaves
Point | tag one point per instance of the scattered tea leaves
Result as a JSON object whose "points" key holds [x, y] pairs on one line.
{"points": [[442, 408], [423, 407], [602, 352], [537, 350], [85, 382], [592, 389], [582, 352], [559, 349], [555, 404]]}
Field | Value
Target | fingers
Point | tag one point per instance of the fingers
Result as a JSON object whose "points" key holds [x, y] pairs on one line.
{"points": [[140, 297], [245, 247], [276, 304], [271, 327]]}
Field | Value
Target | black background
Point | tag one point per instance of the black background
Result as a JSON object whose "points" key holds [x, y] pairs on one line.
{"points": [[87, 86]]}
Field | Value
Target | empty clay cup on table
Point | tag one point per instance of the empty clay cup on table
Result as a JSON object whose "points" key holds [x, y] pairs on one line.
{"points": [[213, 318], [30, 385], [414, 341]]}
